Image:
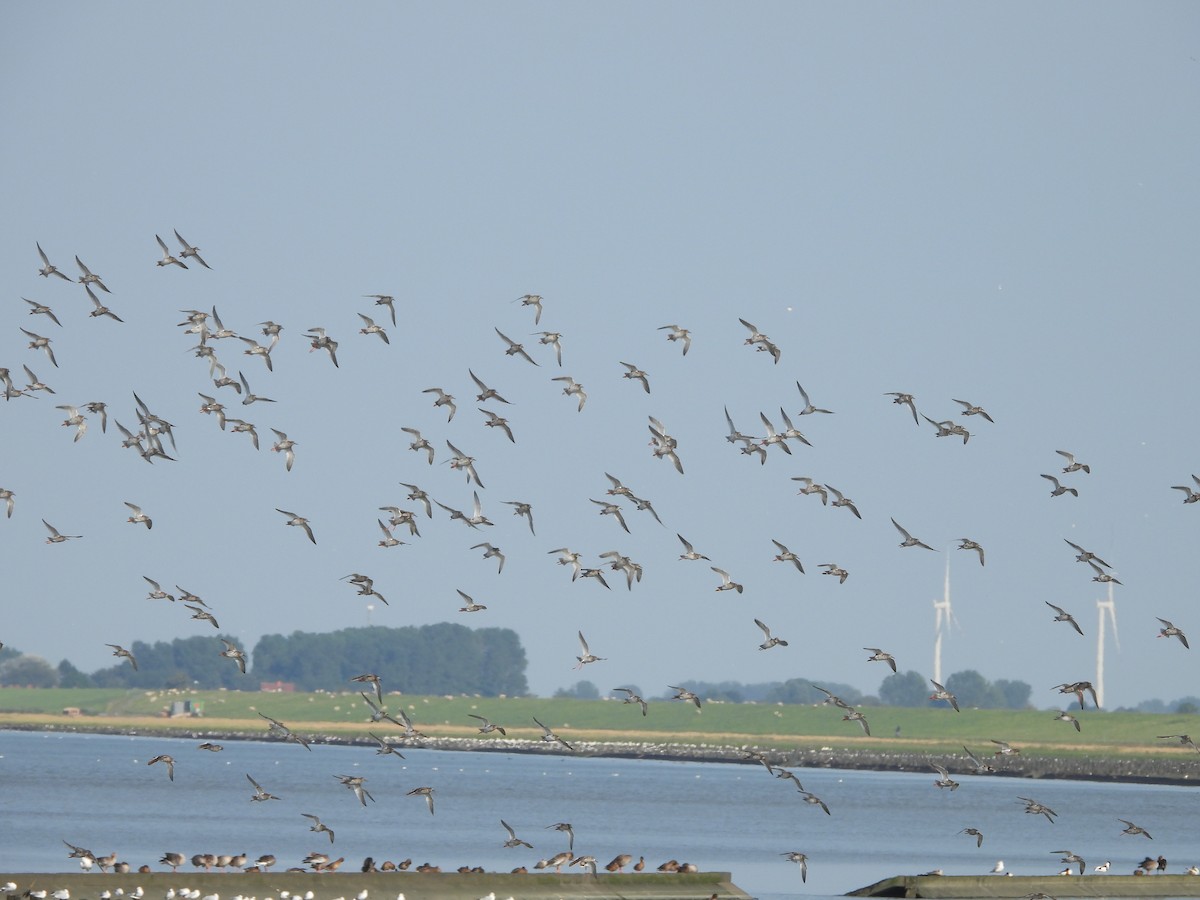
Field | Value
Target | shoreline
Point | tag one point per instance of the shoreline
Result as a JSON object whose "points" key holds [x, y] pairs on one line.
{"points": [[1132, 769]]}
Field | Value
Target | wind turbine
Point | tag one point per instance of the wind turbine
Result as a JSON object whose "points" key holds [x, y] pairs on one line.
{"points": [[1104, 606], [943, 616]]}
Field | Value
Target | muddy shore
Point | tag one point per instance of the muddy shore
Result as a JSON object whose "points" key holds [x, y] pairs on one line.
{"points": [[1138, 769]]}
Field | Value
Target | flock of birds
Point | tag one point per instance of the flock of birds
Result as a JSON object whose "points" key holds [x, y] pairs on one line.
{"points": [[153, 440]]}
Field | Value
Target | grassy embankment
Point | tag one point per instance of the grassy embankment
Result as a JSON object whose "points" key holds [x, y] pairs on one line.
{"points": [[929, 731]]}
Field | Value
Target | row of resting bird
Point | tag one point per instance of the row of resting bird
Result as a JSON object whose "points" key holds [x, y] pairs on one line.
{"points": [[154, 433]]}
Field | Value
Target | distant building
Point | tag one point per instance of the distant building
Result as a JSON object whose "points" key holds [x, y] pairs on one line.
{"points": [[277, 687]]}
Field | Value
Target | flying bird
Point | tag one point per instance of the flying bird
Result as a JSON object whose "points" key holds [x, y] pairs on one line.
{"points": [[1168, 631], [169, 760], [942, 694], [771, 640], [167, 258], [318, 826], [1060, 489], [139, 517], [587, 655], [878, 655], [1072, 465], [678, 334], [968, 544], [909, 540], [1063, 616], [259, 793], [190, 251], [299, 521], [122, 652]]}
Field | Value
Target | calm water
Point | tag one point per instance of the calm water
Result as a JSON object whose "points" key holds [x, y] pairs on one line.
{"points": [[97, 791]]}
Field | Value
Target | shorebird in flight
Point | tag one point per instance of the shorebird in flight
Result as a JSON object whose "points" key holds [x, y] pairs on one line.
{"points": [[169, 760], [190, 251], [259, 793], [318, 826], [1060, 489], [167, 258], [122, 652], [385, 300], [878, 655], [299, 521], [1063, 616], [48, 268], [907, 400], [771, 640], [909, 540], [1168, 631], [1072, 465], [632, 697], [678, 334], [801, 860], [942, 694], [968, 544], [586, 655]]}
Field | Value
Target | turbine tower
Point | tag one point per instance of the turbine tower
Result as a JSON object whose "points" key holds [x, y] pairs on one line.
{"points": [[942, 618], [1104, 606]]}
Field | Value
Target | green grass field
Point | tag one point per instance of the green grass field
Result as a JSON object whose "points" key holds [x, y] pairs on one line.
{"points": [[775, 726]]}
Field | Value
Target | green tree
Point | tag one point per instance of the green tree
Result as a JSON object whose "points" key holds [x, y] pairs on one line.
{"points": [[1015, 694], [28, 670], [973, 690], [582, 690], [71, 677], [908, 689]]}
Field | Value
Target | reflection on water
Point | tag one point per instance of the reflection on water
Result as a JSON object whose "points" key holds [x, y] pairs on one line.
{"points": [[98, 792]]}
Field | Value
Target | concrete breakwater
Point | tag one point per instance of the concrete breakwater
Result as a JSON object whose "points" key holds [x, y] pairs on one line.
{"points": [[1147, 769], [385, 886]]}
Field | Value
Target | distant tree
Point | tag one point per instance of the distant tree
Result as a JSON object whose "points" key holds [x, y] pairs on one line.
{"points": [[582, 690], [802, 691], [1153, 705], [1015, 694], [28, 670], [1188, 706], [973, 690], [71, 677], [194, 661], [907, 689], [9, 653], [443, 658]]}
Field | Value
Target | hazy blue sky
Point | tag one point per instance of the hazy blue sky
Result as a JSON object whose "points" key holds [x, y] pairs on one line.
{"points": [[996, 203]]}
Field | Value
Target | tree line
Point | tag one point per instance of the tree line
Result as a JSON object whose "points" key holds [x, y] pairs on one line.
{"points": [[444, 658]]}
